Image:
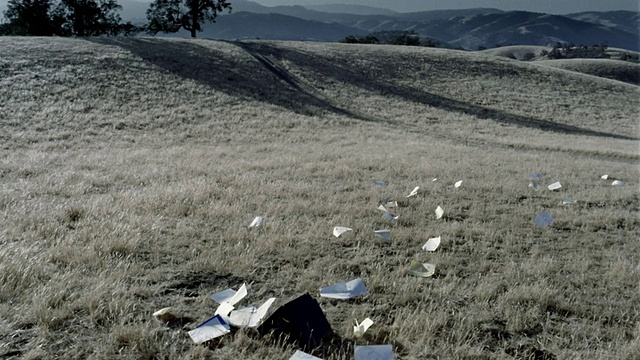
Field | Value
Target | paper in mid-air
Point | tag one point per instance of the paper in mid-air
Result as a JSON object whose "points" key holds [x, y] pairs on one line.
{"points": [[344, 290]]}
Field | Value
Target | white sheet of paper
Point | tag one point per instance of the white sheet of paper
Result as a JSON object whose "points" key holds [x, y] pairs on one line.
{"points": [[604, 177], [382, 208], [384, 235], [250, 316], [257, 222], [414, 192], [432, 244], [379, 183], [434, 179], [533, 184], [554, 186], [339, 230], [361, 328], [166, 314], [373, 352], [344, 290], [439, 212], [568, 201], [422, 269], [543, 220], [535, 176], [223, 310], [617, 183], [299, 355], [391, 204], [391, 217], [230, 296], [210, 329], [457, 184]]}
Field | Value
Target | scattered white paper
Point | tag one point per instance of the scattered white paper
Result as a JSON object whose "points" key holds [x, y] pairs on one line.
{"points": [[166, 314], [379, 183], [210, 329], [617, 183], [361, 328], [568, 201], [535, 176], [257, 222], [432, 244], [422, 269], [414, 192], [533, 184], [339, 230], [391, 204], [374, 352], [382, 208], [299, 355], [391, 217], [344, 290], [543, 220], [439, 212], [224, 310], [434, 179], [604, 177], [384, 235], [457, 184], [250, 316], [230, 296], [554, 186]]}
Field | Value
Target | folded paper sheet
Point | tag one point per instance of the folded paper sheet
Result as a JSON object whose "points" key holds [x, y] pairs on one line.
{"points": [[617, 183], [604, 177], [422, 269], [554, 186], [384, 235], [344, 290], [210, 329], [457, 184], [230, 296], [414, 192], [391, 204], [166, 314], [250, 316], [432, 244], [543, 220], [361, 328], [257, 222], [439, 212], [535, 176], [339, 230], [299, 355], [390, 217], [568, 201], [374, 352]]}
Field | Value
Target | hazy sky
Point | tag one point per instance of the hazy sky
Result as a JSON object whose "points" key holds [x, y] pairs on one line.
{"points": [[546, 6]]}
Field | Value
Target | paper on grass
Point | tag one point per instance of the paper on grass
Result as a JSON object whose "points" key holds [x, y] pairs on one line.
{"points": [[391, 204], [617, 183], [257, 222], [604, 177], [166, 314], [300, 355], [422, 269], [344, 290], [210, 329], [361, 328], [535, 176], [382, 208], [439, 212], [432, 244], [434, 179], [390, 217], [230, 296], [379, 183], [543, 220], [414, 192], [568, 201], [457, 184], [339, 230], [554, 186], [533, 184], [373, 352], [384, 235], [250, 316]]}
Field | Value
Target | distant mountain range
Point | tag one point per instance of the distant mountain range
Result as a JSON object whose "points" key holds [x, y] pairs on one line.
{"points": [[468, 29]]}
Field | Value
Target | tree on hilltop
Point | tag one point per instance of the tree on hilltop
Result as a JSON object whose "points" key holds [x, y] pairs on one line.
{"points": [[170, 16], [29, 17]]}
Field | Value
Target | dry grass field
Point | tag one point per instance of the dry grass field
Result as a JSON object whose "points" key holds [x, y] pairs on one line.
{"points": [[628, 72], [130, 170]]}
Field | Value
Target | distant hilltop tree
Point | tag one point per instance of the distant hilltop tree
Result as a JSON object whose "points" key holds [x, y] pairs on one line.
{"points": [[169, 16], [64, 18], [409, 38]]}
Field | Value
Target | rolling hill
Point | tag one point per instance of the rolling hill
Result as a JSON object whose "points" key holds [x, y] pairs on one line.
{"points": [[131, 169]]}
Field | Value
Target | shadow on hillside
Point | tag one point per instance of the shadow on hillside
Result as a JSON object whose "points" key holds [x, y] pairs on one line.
{"points": [[349, 76], [249, 77], [257, 74]]}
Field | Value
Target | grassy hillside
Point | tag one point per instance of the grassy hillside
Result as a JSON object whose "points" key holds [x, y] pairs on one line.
{"points": [[131, 168], [610, 69]]}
